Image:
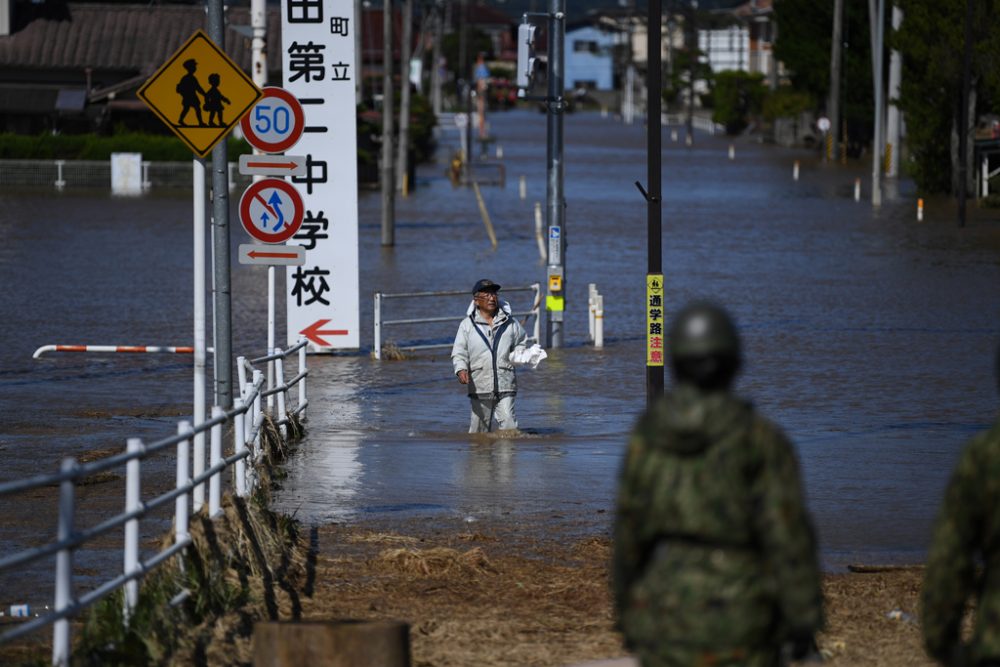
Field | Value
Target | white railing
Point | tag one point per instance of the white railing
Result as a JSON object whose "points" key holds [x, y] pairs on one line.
{"points": [[697, 122], [380, 323], [247, 418]]}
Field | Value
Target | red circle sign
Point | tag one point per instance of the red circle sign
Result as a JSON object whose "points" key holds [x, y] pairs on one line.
{"points": [[275, 123], [271, 210]]}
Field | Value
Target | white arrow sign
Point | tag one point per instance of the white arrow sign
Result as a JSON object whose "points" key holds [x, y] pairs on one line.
{"points": [[273, 165]]}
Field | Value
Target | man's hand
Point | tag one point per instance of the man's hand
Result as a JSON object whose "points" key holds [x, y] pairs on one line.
{"points": [[463, 377]]}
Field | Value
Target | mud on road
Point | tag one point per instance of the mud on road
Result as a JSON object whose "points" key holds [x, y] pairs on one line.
{"points": [[488, 596]]}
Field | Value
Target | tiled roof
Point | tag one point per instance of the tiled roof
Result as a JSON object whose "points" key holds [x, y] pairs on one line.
{"points": [[137, 38]]}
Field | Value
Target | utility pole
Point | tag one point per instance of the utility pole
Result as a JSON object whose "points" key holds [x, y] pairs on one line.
{"points": [[654, 230], [692, 69], [359, 93], [388, 167], [221, 289], [877, 140], [833, 102], [555, 303], [402, 155], [963, 120], [892, 121], [436, 59]]}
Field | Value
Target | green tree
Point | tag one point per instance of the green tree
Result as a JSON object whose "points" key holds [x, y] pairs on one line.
{"points": [[736, 97], [931, 40], [805, 30]]}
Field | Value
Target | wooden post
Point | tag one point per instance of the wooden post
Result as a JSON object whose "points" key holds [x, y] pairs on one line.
{"points": [[342, 643]]}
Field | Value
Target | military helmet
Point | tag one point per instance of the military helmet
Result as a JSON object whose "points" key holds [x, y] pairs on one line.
{"points": [[704, 346], [703, 329]]}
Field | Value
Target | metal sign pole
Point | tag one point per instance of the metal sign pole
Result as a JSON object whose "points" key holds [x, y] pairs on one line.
{"points": [[555, 303], [220, 241], [654, 238], [198, 199]]}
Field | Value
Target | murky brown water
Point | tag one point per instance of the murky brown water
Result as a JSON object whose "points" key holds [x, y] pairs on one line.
{"points": [[869, 337]]}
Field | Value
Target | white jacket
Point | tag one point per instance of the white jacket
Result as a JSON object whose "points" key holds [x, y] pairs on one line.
{"points": [[484, 351]]}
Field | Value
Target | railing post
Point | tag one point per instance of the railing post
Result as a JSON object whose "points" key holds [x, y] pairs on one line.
{"points": [[60, 183], [377, 344], [183, 478], [258, 410], [279, 372], [133, 503], [61, 647], [302, 383], [198, 468], [241, 369], [215, 457], [240, 445], [985, 171]]}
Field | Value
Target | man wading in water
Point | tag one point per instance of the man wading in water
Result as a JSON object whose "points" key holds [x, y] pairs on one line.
{"points": [[482, 358]]}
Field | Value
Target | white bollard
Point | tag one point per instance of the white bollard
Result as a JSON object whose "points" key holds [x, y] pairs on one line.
{"points": [[673, 135], [543, 251], [732, 152], [857, 189], [499, 152], [604, 112], [688, 140], [591, 308], [599, 321], [795, 171], [523, 187], [920, 210]]}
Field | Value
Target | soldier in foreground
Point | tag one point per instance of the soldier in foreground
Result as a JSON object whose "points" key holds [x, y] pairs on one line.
{"points": [[964, 559], [714, 552]]}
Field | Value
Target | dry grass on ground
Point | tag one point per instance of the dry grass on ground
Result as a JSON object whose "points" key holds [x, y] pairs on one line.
{"points": [[480, 599]]}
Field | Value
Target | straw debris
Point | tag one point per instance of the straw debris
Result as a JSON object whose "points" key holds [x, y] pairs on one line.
{"points": [[436, 562]]}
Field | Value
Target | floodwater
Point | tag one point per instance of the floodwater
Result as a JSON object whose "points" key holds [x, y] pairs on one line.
{"points": [[869, 337]]}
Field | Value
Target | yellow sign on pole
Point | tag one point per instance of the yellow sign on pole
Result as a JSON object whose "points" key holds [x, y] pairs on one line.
{"points": [[654, 319], [200, 93]]}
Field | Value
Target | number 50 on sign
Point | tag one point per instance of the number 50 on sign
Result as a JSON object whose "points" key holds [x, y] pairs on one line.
{"points": [[275, 123]]}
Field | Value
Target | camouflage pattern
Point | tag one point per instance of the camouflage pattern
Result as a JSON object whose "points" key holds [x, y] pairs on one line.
{"points": [[964, 559], [714, 552]]}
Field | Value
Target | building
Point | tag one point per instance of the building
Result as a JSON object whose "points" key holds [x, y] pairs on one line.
{"points": [[590, 57]]}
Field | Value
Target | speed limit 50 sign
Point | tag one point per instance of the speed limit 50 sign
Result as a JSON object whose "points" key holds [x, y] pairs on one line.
{"points": [[275, 123]]}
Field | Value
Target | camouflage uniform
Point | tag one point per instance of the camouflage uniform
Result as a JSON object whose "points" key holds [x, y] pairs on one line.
{"points": [[715, 555], [966, 535]]}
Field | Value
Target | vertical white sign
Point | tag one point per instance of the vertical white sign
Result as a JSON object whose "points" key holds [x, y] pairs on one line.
{"points": [[317, 54]]}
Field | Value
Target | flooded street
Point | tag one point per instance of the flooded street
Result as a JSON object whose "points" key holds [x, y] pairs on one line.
{"points": [[868, 336]]}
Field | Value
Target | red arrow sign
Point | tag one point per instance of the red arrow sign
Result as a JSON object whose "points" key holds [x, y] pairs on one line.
{"points": [[272, 165], [276, 255], [315, 330]]}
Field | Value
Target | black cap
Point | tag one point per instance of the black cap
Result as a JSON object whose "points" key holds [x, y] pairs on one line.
{"points": [[485, 285]]}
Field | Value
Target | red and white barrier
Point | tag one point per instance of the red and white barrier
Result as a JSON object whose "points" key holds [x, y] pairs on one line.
{"points": [[134, 349]]}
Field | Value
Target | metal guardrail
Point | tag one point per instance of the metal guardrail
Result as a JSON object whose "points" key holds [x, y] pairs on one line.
{"points": [[380, 323], [97, 174], [698, 122], [247, 417]]}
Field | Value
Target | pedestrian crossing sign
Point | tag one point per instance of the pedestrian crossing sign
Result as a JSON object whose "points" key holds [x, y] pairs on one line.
{"points": [[200, 93]]}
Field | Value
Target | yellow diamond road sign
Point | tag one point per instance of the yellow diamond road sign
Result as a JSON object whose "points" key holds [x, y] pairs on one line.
{"points": [[200, 93]]}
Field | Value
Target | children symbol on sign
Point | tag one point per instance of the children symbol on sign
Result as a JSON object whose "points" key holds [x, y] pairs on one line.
{"points": [[213, 101], [189, 88]]}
